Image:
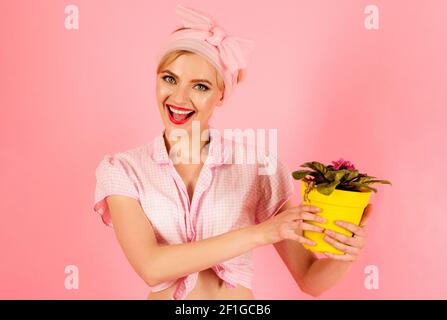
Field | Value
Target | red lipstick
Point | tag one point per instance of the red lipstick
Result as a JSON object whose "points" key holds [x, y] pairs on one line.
{"points": [[179, 118]]}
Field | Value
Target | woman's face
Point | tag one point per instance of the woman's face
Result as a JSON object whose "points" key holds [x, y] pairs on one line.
{"points": [[187, 91]]}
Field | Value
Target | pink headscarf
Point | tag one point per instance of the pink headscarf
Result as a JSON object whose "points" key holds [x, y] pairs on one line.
{"points": [[227, 54]]}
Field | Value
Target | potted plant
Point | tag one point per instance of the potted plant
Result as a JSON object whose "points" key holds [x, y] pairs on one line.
{"points": [[340, 191]]}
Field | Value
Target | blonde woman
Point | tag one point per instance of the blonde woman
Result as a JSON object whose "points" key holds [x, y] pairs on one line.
{"points": [[188, 227]]}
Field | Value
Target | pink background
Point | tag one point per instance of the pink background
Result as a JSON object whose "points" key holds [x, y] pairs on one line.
{"points": [[331, 87]]}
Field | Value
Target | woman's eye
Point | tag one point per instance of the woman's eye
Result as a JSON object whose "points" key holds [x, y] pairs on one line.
{"points": [[203, 87], [167, 78], [171, 80]]}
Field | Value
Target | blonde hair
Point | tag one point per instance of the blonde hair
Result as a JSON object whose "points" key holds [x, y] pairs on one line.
{"points": [[171, 56]]}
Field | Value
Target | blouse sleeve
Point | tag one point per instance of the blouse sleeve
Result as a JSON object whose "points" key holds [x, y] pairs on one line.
{"points": [[112, 177], [274, 190]]}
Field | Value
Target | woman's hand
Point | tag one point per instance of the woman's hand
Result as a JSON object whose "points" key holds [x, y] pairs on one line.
{"points": [[351, 246], [289, 224]]}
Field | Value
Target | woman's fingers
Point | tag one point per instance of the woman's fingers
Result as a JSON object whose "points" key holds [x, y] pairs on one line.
{"points": [[304, 215], [341, 257], [304, 240], [366, 215], [309, 208], [342, 247], [310, 217], [294, 232], [354, 242], [288, 230], [358, 231], [311, 227], [300, 226], [306, 208], [291, 234]]}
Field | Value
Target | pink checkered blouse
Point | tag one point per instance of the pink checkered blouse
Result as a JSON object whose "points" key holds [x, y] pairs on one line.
{"points": [[228, 195]]}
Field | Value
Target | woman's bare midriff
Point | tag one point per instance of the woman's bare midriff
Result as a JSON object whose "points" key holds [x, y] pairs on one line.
{"points": [[208, 287]]}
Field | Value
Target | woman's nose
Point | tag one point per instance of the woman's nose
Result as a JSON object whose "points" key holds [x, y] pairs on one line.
{"points": [[180, 96]]}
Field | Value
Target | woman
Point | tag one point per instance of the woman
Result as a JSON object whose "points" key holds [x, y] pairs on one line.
{"points": [[188, 224]]}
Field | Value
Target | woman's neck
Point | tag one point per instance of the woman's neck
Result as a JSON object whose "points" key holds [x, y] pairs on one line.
{"points": [[191, 147]]}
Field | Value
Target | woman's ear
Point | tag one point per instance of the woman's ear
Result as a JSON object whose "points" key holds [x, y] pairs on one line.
{"points": [[220, 102], [242, 74]]}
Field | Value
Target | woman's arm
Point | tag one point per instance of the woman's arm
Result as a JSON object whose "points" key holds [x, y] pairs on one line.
{"points": [[315, 276], [296, 257], [157, 264], [324, 274]]}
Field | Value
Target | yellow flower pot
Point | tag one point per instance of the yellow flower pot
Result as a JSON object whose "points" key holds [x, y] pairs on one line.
{"points": [[339, 205]]}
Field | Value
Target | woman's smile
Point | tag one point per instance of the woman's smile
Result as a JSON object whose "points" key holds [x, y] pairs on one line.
{"points": [[179, 115]]}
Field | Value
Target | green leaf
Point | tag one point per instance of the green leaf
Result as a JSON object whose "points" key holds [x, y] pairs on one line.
{"points": [[329, 175], [351, 175], [363, 186], [335, 175], [340, 174], [363, 179], [377, 181], [317, 166], [300, 174], [327, 188]]}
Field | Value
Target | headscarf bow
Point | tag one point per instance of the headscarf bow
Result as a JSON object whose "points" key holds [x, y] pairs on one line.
{"points": [[201, 35], [234, 51]]}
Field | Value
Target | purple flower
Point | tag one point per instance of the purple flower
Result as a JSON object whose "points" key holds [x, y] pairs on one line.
{"points": [[343, 164]]}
